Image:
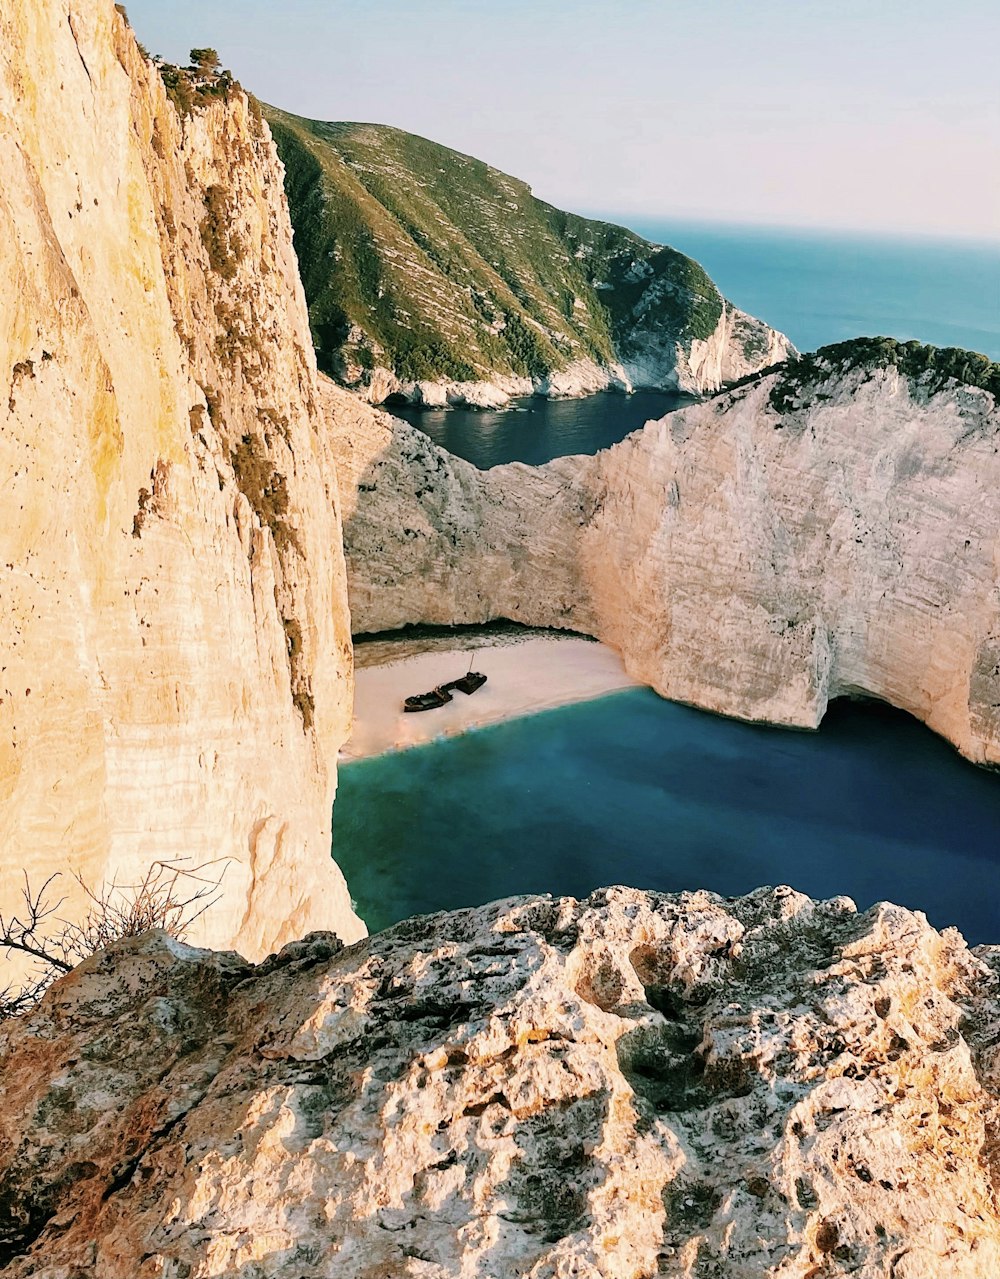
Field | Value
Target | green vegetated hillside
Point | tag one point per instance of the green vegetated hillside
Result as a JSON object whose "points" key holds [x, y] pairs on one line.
{"points": [[433, 265]]}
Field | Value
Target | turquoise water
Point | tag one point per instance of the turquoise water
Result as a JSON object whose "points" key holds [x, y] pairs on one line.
{"points": [[635, 790], [536, 430], [819, 287]]}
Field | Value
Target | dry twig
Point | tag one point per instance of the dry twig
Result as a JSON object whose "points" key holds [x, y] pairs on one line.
{"points": [[170, 896]]}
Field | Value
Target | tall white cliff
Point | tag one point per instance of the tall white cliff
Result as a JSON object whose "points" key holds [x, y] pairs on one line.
{"points": [[758, 554], [175, 659]]}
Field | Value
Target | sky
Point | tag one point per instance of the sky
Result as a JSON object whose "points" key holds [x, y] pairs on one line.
{"points": [[872, 115]]}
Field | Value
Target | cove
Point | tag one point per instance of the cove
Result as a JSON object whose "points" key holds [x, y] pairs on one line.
{"points": [[536, 430], [631, 789]]}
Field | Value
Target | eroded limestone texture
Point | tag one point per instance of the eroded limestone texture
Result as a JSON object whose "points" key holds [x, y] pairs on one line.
{"points": [[630, 1086]]}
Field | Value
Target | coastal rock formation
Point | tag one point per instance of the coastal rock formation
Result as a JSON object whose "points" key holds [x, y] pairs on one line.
{"points": [[827, 529], [176, 671], [434, 277], [630, 1086]]}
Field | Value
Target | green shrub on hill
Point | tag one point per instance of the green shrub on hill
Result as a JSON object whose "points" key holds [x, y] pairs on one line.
{"points": [[195, 86], [928, 369]]}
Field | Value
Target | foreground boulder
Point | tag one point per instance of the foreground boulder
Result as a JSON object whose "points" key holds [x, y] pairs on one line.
{"points": [[630, 1086]]}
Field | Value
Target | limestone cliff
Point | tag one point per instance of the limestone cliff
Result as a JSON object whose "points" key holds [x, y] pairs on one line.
{"points": [[432, 276], [176, 669], [830, 529], [631, 1086]]}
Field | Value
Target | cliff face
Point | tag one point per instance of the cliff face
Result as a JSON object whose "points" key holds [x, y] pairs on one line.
{"points": [[631, 1086], [433, 276], [176, 672], [828, 530]]}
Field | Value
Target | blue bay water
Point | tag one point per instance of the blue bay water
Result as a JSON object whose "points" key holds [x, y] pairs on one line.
{"points": [[820, 287], [632, 789], [536, 430]]}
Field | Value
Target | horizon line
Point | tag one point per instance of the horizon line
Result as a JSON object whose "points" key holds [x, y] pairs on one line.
{"points": [[623, 218]]}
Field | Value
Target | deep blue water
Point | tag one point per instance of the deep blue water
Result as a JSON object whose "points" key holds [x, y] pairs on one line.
{"points": [[820, 287], [536, 430], [635, 790]]}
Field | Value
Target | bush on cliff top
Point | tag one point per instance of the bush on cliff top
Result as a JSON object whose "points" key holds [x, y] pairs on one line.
{"points": [[929, 367], [195, 86]]}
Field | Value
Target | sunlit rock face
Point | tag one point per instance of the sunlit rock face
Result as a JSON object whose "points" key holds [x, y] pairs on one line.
{"points": [[176, 670], [757, 554], [630, 1086]]}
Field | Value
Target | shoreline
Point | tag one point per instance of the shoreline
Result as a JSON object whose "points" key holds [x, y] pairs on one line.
{"points": [[525, 675]]}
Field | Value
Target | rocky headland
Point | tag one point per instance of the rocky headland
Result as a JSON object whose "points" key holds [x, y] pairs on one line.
{"points": [[437, 279], [629, 1086], [828, 528]]}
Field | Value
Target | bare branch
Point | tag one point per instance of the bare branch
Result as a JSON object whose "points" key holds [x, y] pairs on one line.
{"points": [[170, 896], [27, 935]]}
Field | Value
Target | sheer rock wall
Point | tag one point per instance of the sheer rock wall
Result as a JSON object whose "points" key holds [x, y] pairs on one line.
{"points": [[176, 672], [753, 560]]}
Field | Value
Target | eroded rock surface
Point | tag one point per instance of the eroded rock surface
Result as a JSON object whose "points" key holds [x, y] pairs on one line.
{"points": [[630, 1086], [176, 670], [757, 554]]}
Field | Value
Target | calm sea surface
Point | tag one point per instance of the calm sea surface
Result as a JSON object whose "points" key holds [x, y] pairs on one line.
{"points": [[818, 287], [635, 790], [536, 430], [631, 789]]}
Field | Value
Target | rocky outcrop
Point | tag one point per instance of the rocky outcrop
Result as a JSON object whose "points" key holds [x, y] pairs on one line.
{"points": [[434, 277], [739, 345], [176, 671], [831, 529], [630, 1086]]}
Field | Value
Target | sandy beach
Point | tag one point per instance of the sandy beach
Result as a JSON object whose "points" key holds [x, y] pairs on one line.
{"points": [[529, 675]]}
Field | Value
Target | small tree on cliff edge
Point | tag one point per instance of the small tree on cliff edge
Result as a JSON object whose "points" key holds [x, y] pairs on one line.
{"points": [[205, 61]]}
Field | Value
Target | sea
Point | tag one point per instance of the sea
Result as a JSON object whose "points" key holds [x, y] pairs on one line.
{"points": [[818, 287], [635, 790]]}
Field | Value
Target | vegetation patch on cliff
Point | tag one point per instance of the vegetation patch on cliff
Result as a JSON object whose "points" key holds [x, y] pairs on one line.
{"points": [[222, 245], [928, 369], [432, 264], [196, 85], [265, 488]]}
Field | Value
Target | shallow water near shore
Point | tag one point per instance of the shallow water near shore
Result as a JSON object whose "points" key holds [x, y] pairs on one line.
{"points": [[631, 789]]}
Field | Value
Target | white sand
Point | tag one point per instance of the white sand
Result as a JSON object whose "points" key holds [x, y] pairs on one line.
{"points": [[533, 675]]}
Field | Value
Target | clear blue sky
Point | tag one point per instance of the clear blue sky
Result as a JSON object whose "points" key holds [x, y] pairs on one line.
{"points": [[861, 114]]}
